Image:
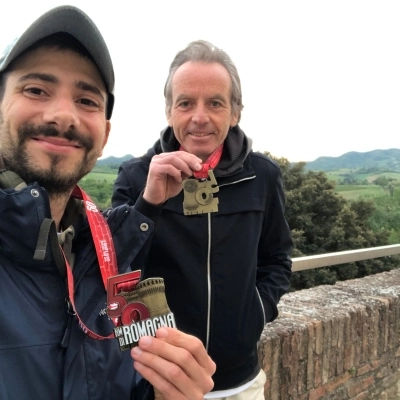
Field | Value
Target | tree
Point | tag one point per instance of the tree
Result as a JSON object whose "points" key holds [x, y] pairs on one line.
{"points": [[322, 221]]}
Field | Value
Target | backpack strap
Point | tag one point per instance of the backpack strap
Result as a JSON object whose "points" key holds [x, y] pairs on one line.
{"points": [[10, 180]]}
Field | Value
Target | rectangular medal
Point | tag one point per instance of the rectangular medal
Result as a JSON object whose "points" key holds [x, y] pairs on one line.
{"points": [[141, 310], [199, 195]]}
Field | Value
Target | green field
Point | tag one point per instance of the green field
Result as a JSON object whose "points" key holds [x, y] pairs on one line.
{"points": [[354, 192], [101, 176], [337, 174], [340, 174]]}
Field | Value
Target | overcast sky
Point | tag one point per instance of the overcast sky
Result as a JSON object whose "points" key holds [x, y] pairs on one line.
{"points": [[319, 78]]}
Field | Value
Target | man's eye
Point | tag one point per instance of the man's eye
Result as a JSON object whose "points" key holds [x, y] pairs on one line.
{"points": [[88, 102], [215, 103], [35, 91], [184, 104]]}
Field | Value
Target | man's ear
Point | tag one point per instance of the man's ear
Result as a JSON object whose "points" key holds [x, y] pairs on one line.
{"points": [[234, 119]]}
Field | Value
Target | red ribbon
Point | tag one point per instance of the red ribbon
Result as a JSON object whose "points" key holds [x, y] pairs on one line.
{"points": [[211, 162], [105, 254]]}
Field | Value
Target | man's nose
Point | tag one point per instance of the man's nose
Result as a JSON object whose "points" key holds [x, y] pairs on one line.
{"points": [[62, 111], [200, 115]]}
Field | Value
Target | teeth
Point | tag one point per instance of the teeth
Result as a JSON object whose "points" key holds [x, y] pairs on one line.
{"points": [[199, 134]]}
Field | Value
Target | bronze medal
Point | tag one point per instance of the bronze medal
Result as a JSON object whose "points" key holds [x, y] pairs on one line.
{"points": [[199, 195], [142, 310]]}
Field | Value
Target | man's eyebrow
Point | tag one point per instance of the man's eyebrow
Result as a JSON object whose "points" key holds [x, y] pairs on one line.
{"points": [[219, 97], [182, 96], [41, 77], [53, 79], [88, 87]]}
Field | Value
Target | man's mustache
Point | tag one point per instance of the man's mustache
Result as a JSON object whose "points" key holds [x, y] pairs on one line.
{"points": [[28, 131]]}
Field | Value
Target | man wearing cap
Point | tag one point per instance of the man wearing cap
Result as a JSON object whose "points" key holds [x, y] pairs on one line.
{"points": [[230, 256], [56, 249]]}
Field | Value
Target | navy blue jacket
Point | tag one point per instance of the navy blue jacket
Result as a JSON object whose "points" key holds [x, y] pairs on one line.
{"points": [[33, 315], [224, 272]]}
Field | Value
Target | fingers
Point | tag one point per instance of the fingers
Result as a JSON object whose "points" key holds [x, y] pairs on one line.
{"points": [[176, 364], [192, 344], [166, 172], [175, 163]]}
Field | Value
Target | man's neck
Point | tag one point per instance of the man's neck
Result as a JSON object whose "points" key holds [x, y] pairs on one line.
{"points": [[57, 207]]}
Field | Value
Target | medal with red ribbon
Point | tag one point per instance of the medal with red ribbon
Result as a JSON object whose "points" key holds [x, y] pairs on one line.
{"points": [[137, 308], [198, 191]]}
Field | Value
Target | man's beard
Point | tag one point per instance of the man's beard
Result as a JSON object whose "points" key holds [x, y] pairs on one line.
{"points": [[57, 180]]}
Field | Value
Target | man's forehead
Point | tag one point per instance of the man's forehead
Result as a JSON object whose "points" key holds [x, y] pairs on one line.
{"points": [[45, 59]]}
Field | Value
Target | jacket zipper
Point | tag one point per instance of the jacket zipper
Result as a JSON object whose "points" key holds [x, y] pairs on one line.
{"points": [[208, 280], [209, 268], [262, 306]]}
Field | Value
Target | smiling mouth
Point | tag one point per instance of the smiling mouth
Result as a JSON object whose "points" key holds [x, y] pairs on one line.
{"points": [[199, 134], [57, 142]]}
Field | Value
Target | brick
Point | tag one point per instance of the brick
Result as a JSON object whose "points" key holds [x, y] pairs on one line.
{"points": [[364, 336], [338, 381], [357, 388], [340, 348], [310, 357], [347, 360], [364, 369], [317, 393], [302, 378], [318, 337], [285, 349], [302, 345], [332, 363], [326, 354], [285, 382], [317, 371], [275, 367]]}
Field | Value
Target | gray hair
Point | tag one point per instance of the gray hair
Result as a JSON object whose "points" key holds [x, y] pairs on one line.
{"points": [[206, 52]]}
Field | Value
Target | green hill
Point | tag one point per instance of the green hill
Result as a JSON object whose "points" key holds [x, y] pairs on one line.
{"points": [[113, 160], [375, 160]]}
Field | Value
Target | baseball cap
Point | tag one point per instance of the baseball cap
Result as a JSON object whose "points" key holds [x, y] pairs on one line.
{"points": [[71, 20]]}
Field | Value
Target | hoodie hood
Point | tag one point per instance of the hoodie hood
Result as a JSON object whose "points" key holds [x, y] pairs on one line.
{"points": [[237, 146]]}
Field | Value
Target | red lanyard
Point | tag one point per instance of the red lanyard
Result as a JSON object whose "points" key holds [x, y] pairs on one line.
{"points": [[211, 162], [105, 254]]}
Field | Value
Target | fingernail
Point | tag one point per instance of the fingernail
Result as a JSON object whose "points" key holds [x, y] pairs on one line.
{"points": [[197, 166], [137, 351], [145, 341]]}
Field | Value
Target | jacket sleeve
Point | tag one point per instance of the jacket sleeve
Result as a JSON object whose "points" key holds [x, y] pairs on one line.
{"points": [[274, 262], [127, 190], [138, 224]]}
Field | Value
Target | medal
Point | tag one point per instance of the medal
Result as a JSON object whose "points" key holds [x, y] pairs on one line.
{"points": [[199, 195], [198, 191], [141, 306], [137, 308]]}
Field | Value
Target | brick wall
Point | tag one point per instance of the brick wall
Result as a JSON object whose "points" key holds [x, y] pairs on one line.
{"points": [[336, 342]]}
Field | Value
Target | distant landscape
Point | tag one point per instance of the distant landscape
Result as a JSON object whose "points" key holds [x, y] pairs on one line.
{"points": [[356, 175]]}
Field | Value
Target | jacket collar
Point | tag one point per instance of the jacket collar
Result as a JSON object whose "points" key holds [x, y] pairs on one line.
{"points": [[237, 147]]}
